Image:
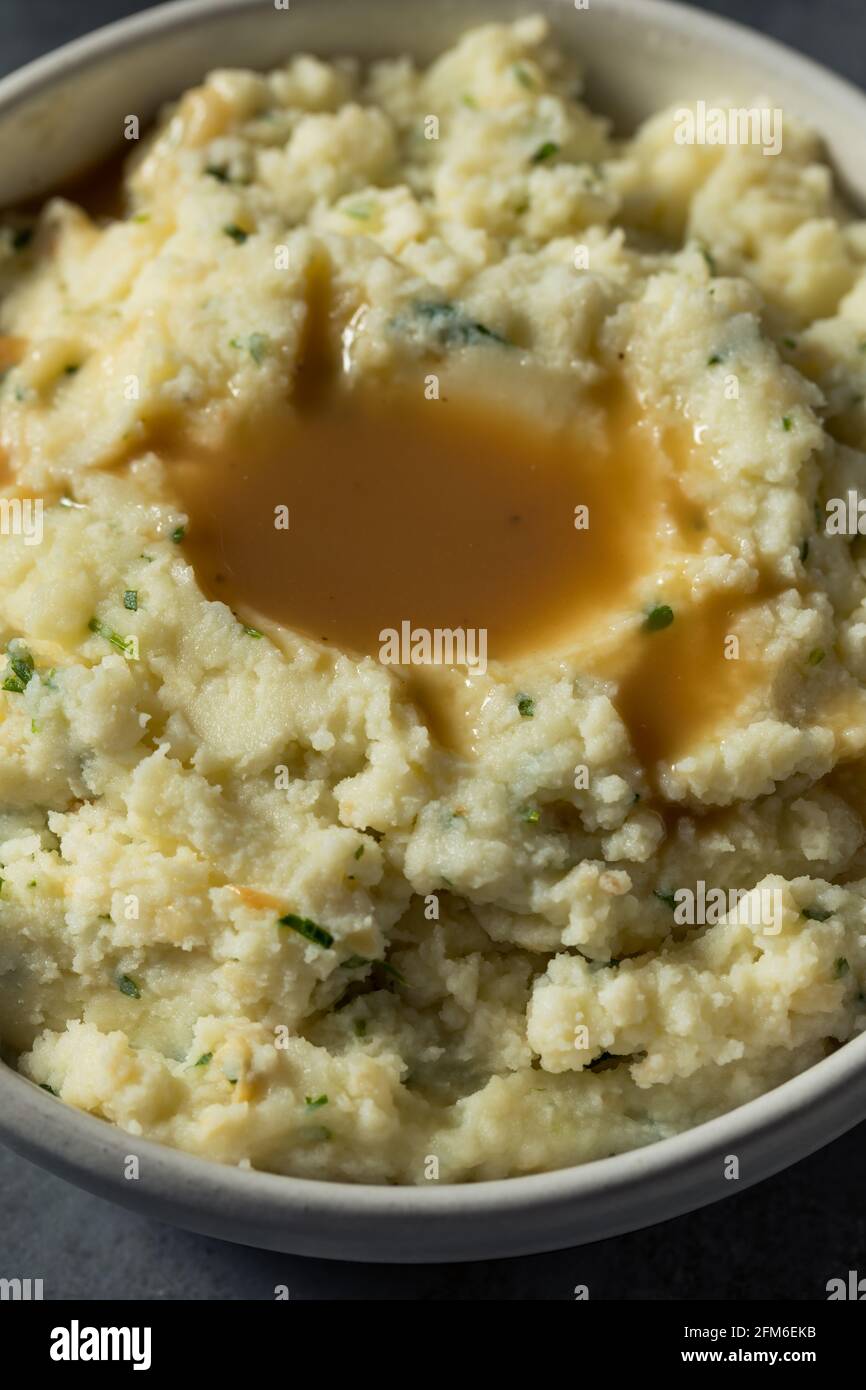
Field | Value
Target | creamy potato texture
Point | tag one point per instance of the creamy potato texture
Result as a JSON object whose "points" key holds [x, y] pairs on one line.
{"points": [[268, 899]]}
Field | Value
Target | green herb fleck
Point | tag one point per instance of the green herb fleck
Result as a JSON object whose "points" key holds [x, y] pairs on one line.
{"points": [[359, 852], [236, 233], [526, 706], [315, 1102], [714, 360], [451, 327], [546, 151], [816, 914], [530, 814], [309, 930], [257, 345], [127, 986], [216, 171], [523, 77], [19, 671], [361, 212], [357, 962], [43, 1086], [789, 342], [658, 618], [130, 600], [253, 632], [787, 424], [178, 534], [709, 258], [122, 644], [204, 1059], [816, 656], [669, 899]]}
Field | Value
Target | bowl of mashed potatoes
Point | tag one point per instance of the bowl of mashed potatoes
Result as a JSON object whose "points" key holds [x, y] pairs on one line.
{"points": [[433, 807]]}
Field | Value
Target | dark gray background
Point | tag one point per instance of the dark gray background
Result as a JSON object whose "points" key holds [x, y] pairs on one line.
{"points": [[783, 1239]]}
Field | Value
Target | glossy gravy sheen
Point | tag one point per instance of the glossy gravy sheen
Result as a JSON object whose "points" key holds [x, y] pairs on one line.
{"points": [[442, 514], [455, 514]]}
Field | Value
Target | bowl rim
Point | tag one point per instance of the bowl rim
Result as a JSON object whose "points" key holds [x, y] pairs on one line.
{"points": [[88, 1150]]}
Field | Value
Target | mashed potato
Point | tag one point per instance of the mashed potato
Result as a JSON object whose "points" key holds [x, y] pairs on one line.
{"points": [[253, 905]]}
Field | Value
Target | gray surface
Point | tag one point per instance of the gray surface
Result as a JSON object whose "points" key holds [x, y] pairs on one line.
{"points": [[783, 1239]]}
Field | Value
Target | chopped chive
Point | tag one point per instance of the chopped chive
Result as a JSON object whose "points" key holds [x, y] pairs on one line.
{"points": [[714, 360], [530, 814], [253, 632], [257, 345], [355, 962], [526, 706], [130, 600], [236, 233], [544, 152], [315, 1102], [359, 852], [451, 327], [127, 986], [816, 656], [816, 914], [178, 534], [115, 638], [204, 1059], [20, 670], [658, 618], [787, 424], [523, 77], [311, 931], [215, 171]]}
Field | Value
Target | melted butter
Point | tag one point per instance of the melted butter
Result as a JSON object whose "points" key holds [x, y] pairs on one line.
{"points": [[253, 897]]}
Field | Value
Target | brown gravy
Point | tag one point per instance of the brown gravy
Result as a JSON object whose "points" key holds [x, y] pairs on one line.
{"points": [[447, 514], [680, 683]]}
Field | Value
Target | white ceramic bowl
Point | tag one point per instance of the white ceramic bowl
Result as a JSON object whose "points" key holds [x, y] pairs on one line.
{"points": [[63, 112]]}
